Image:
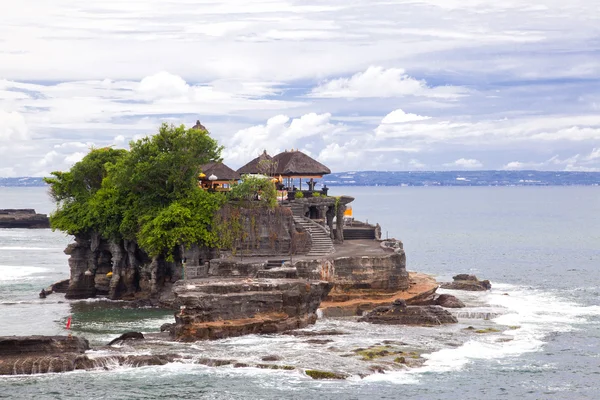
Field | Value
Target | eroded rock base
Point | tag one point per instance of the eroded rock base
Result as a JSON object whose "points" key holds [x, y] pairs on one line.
{"points": [[220, 308]]}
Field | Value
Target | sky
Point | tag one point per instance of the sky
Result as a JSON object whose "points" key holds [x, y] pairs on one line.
{"points": [[356, 84]]}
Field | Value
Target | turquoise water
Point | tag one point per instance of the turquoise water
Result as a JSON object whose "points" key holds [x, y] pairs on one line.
{"points": [[539, 246]]}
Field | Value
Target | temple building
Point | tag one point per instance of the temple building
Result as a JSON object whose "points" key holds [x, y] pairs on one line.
{"points": [[217, 176]]}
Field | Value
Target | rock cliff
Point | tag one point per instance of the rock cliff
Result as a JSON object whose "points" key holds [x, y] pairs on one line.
{"points": [[119, 270]]}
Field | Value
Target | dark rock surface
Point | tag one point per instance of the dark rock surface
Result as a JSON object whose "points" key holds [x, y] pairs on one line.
{"points": [[23, 218], [127, 336], [220, 308], [401, 314], [467, 282]]}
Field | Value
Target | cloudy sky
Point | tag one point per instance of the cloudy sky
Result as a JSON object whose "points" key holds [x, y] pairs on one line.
{"points": [[357, 84]]}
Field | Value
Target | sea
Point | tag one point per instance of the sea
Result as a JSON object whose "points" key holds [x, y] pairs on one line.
{"points": [[539, 247]]}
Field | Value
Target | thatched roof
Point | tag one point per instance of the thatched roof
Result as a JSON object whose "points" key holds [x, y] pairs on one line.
{"points": [[296, 163], [253, 167], [221, 171], [199, 126]]}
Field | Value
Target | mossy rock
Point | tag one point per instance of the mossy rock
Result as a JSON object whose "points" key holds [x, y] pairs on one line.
{"points": [[400, 360], [514, 327], [316, 374], [487, 330], [375, 352]]}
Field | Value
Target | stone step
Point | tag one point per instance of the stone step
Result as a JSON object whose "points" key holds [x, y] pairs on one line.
{"points": [[279, 273]]}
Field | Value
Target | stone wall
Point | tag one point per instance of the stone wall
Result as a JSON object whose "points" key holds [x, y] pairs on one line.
{"points": [[260, 231]]}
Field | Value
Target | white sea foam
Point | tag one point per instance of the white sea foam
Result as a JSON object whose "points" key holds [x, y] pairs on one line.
{"points": [[528, 317]]}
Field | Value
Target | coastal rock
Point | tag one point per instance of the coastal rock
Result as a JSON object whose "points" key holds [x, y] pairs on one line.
{"points": [[127, 336], [220, 308], [23, 218], [401, 314], [71, 362], [41, 345], [449, 301], [119, 270], [467, 282]]}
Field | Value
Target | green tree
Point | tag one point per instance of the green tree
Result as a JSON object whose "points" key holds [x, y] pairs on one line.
{"points": [[255, 189], [148, 194], [74, 190]]}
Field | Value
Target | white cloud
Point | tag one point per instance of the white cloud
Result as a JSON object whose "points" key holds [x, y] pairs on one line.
{"points": [[399, 116], [75, 157], [465, 163], [237, 65], [381, 82], [279, 133], [12, 126], [163, 85], [8, 172]]}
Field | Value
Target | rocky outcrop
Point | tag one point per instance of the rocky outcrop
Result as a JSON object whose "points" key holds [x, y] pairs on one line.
{"points": [[401, 314], [23, 218], [443, 300], [220, 308], [467, 282], [449, 301], [385, 272]]}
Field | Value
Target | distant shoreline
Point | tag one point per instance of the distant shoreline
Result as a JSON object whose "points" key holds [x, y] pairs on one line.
{"points": [[420, 178]]}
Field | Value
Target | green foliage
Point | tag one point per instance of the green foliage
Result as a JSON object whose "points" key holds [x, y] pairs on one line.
{"points": [[74, 190], [299, 195], [256, 189], [316, 194], [148, 193]]}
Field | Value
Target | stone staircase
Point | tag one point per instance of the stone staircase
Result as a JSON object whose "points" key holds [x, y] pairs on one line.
{"points": [[321, 241]]}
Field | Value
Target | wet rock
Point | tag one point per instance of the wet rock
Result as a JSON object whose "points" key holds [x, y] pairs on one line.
{"points": [[332, 332], [271, 358], [41, 345], [317, 374], [41, 354], [168, 328], [449, 301], [409, 315], [467, 282], [127, 336]]}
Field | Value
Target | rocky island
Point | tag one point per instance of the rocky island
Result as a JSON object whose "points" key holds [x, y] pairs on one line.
{"points": [[23, 218], [167, 224]]}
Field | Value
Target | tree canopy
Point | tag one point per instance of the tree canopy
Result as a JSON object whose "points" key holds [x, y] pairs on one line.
{"points": [[148, 194]]}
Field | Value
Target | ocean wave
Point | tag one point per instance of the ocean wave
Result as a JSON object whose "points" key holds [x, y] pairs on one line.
{"points": [[526, 318]]}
